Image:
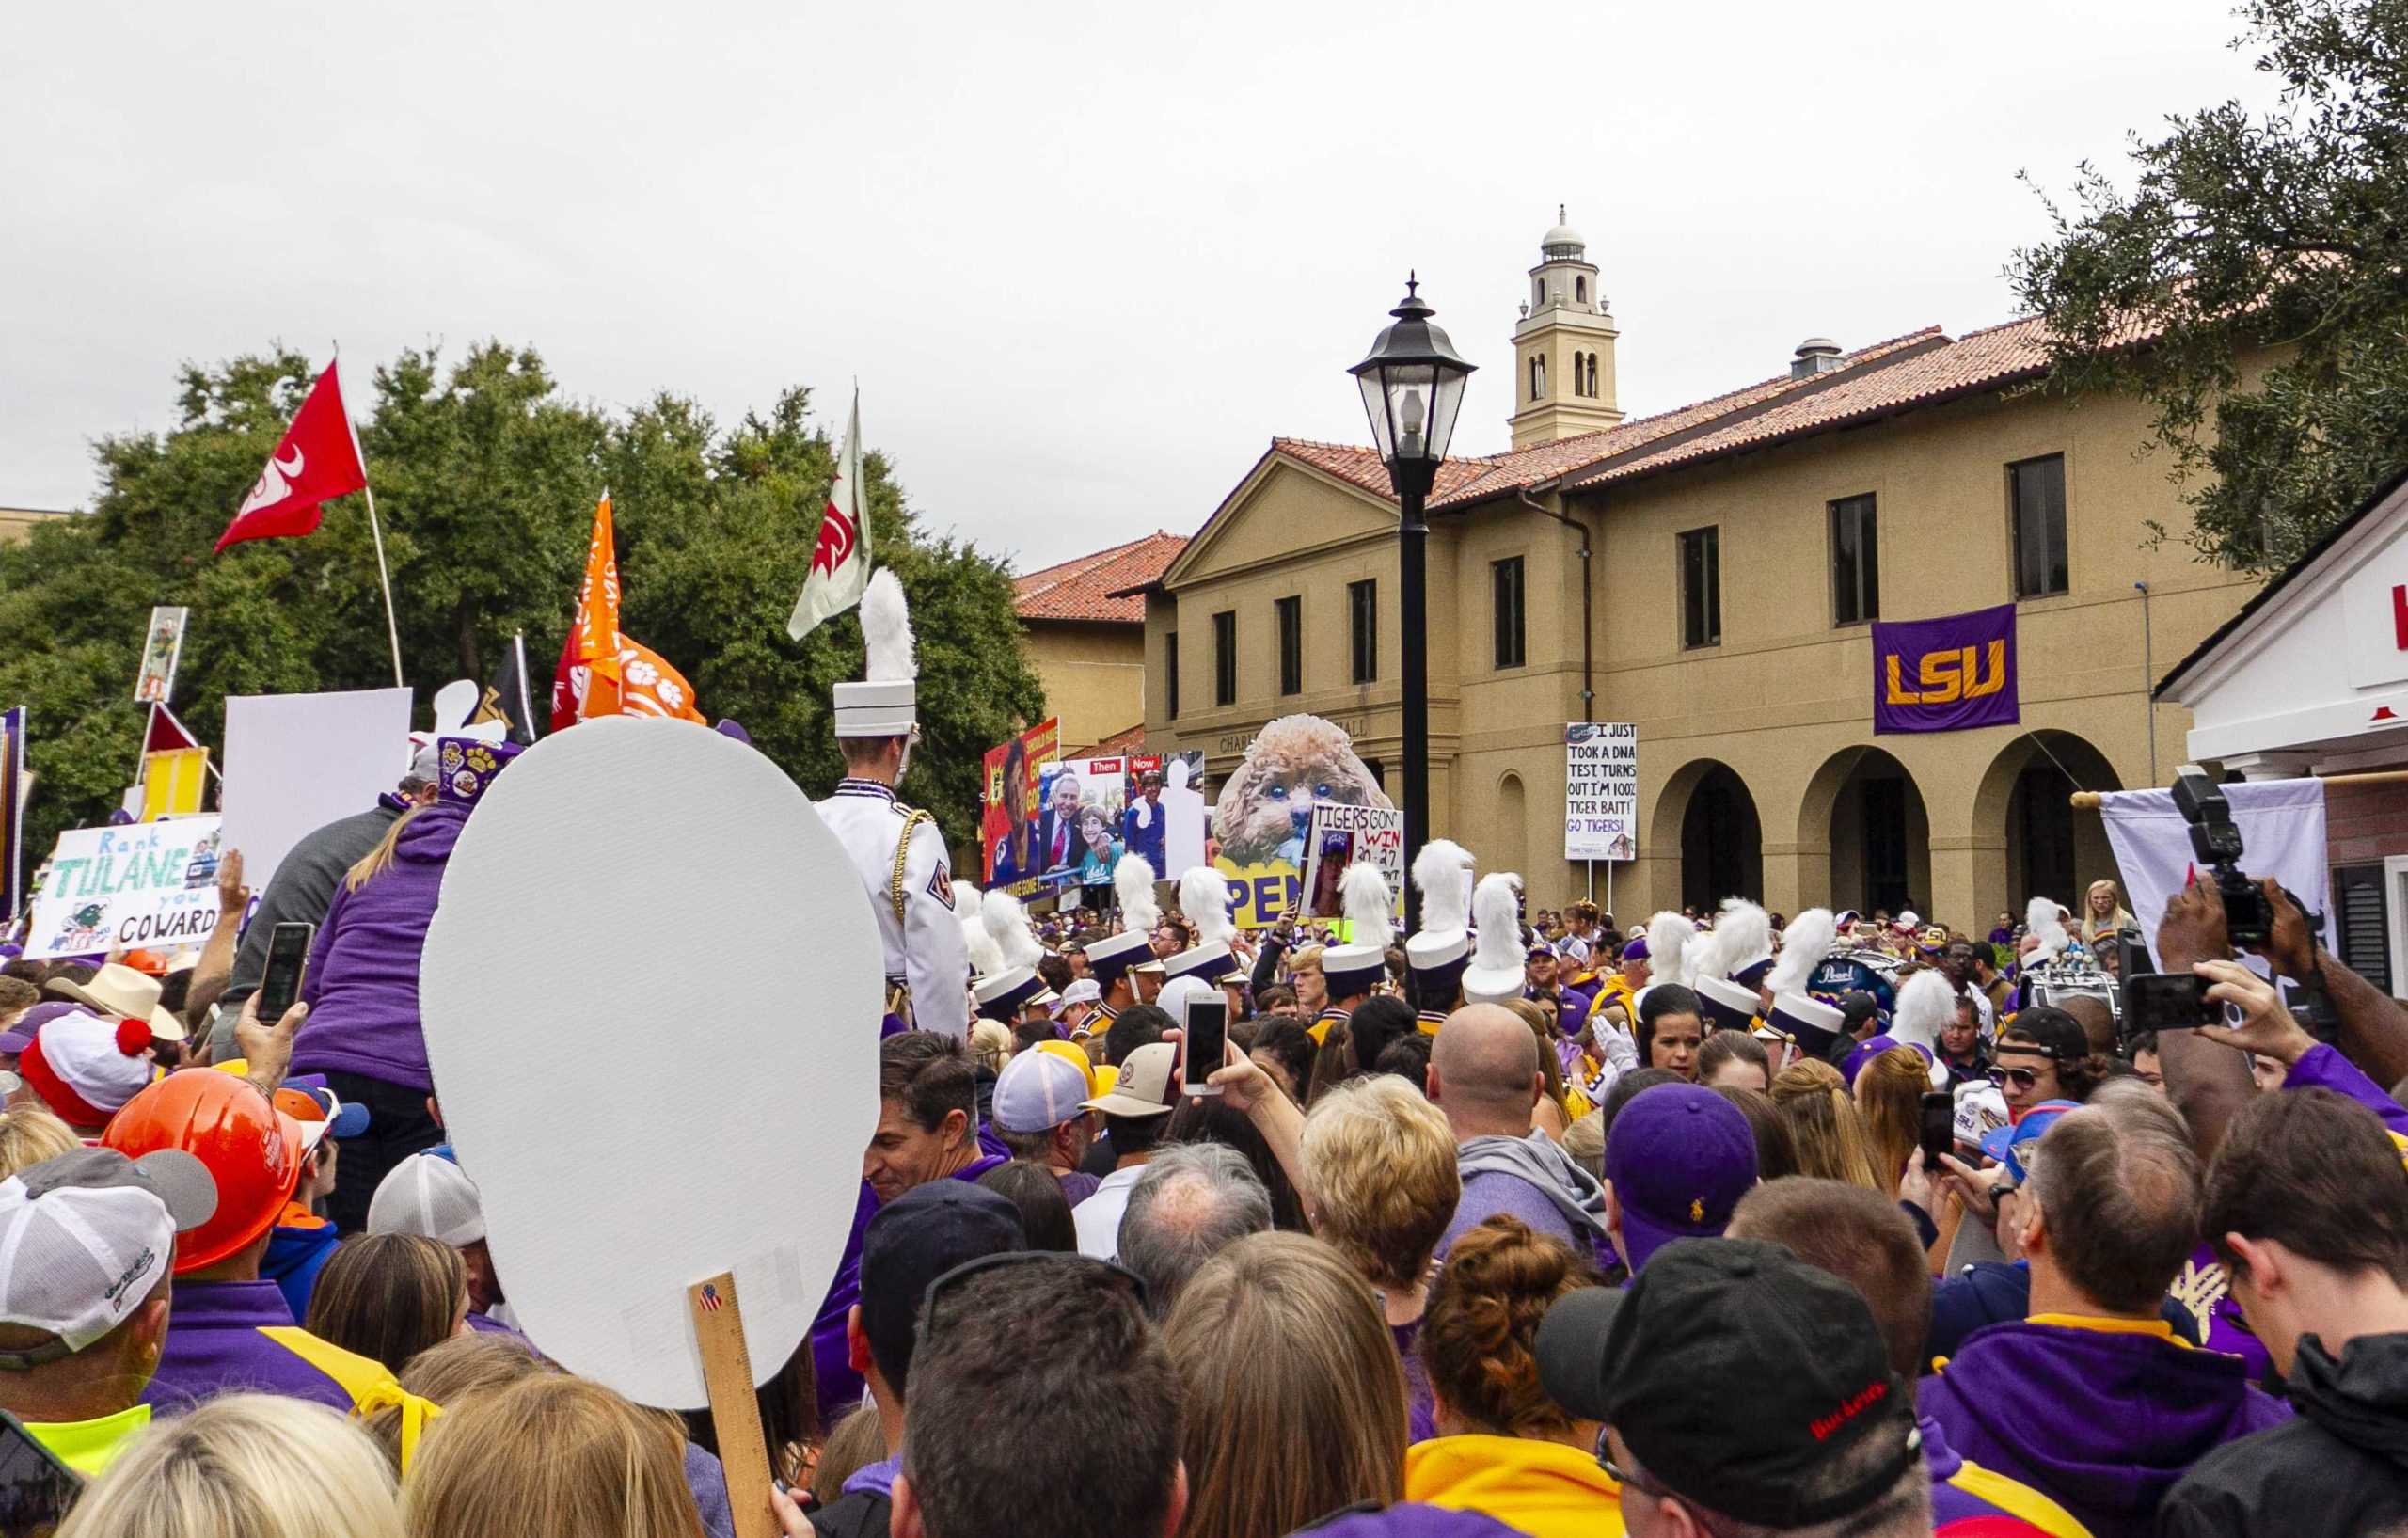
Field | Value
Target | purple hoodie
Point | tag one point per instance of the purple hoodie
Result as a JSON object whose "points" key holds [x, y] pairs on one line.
{"points": [[216, 1344], [2103, 1422], [362, 986]]}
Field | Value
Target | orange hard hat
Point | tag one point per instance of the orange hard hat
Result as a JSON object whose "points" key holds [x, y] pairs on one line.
{"points": [[252, 1150], [149, 962]]}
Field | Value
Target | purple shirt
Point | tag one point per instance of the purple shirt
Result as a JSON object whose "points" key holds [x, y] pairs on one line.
{"points": [[1420, 1409], [1486, 1195], [362, 985], [214, 1347]]}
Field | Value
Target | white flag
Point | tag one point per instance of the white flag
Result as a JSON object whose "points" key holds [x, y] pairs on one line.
{"points": [[840, 560], [2282, 827]]}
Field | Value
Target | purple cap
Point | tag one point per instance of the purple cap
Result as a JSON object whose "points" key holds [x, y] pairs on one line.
{"points": [[1872, 1047], [20, 1034], [730, 728], [2002, 1141], [1636, 950], [1679, 1158], [466, 766], [1408, 1519]]}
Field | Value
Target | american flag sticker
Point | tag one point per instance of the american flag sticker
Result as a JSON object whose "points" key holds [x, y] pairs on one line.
{"points": [[710, 1299]]}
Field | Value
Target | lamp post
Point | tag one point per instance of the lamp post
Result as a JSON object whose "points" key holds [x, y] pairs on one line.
{"points": [[1413, 388]]}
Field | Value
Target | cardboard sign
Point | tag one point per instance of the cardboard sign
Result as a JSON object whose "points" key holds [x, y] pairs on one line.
{"points": [[296, 761], [1260, 891], [146, 884], [1007, 812], [634, 1126], [1600, 790], [163, 644], [1340, 835]]}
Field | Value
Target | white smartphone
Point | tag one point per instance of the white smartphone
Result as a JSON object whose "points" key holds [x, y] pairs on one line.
{"points": [[1207, 1027]]}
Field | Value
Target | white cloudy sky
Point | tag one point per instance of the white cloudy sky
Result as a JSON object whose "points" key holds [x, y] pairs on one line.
{"points": [[1084, 260]]}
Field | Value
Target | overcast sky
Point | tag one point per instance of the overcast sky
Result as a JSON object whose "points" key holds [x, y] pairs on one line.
{"points": [[1084, 260]]}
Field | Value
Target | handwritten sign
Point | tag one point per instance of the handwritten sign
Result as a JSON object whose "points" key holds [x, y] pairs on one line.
{"points": [[1600, 790], [146, 884], [1340, 834]]}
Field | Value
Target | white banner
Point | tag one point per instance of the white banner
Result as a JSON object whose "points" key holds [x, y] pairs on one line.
{"points": [[1340, 835], [2282, 834], [145, 885], [296, 761], [1600, 790]]}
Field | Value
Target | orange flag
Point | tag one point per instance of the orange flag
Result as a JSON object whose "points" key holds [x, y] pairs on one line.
{"points": [[593, 639]]}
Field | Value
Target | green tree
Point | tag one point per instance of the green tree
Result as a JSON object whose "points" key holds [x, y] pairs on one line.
{"points": [[2251, 283], [485, 480]]}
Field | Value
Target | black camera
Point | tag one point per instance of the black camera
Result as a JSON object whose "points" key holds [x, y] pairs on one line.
{"points": [[2215, 841]]}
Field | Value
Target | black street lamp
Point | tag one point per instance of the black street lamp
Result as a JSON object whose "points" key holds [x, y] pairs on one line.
{"points": [[1413, 388]]}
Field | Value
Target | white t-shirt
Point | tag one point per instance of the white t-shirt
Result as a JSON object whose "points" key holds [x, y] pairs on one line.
{"points": [[1098, 1218]]}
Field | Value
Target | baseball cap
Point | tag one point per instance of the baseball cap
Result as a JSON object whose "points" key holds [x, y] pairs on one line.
{"points": [[1735, 1322], [86, 1068], [1981, 1109], [85, 1237], [1082, 991], [1635, 949], [1143, 1086], [913, 1240], [429, 1196], [20, 1034], [1679, 1158], [2001, 1143], [320, 1113], [1038, 1091]]}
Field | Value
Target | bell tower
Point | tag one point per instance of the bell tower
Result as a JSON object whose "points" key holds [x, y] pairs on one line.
{"points": [[1563, 348]]}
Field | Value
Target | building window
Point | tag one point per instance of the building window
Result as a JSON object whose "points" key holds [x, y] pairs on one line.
{"points": [[1538, 294], [1505, 588], [1579, 374], [1701, 588], [1225, 658], [1170, 673], [1580, 290], [2037, 489], [1592, 374], [1292, 646], [1856, 562], [1363, 614]]}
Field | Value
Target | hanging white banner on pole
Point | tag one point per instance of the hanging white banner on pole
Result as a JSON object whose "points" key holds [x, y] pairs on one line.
{"points": [[1600, 790], [2282, 835], [146, 884]]}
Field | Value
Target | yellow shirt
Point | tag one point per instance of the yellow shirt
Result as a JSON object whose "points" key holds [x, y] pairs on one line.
{"points": [[1546, 1489], [88, 1446]]}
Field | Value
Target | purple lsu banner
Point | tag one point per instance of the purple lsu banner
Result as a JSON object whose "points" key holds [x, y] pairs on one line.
{"points": [[1948, 674]]}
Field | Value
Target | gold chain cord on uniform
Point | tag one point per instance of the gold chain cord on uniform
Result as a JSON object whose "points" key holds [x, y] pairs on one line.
{"points": [[902, 859]]}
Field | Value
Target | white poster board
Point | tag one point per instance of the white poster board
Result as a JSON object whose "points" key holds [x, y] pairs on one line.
{"points": [[296, 761], [1340, 835], [630, 1134], [147, 885], [2282, 835], [1600, 790]]}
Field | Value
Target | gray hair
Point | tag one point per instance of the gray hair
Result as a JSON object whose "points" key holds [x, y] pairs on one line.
{"points": [[1193, 1200]]}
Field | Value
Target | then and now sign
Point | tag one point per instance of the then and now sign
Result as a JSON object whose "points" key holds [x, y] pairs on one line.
{"points": [[1600, 790]]}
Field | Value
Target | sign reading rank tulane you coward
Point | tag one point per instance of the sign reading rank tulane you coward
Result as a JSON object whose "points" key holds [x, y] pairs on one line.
{"points": [[146, 883], [1947, 674]]}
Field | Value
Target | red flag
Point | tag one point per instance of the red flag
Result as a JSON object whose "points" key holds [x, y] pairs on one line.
{"points": [[318, 459], [167, 734]]}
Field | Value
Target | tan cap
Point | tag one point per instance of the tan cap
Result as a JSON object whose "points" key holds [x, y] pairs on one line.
{"points": [[1143, 1089]]}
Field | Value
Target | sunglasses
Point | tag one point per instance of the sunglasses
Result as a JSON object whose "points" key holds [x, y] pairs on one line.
{"points": [[1636, 1479], [2021, 1078], [1074, 1268]]}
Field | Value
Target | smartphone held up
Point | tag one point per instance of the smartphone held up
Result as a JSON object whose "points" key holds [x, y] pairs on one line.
{"points": [[1206, 1030]]}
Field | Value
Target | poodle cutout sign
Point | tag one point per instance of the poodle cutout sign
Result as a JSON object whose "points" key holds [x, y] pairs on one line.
{"points": [[1264, 816]]}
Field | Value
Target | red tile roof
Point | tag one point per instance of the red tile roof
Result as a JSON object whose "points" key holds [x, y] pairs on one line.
{"points": [[1362, 467], [1119, 745], [1084, 589]]}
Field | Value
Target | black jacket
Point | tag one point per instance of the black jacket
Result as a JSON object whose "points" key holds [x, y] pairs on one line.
{"points": [[860, 1513], [2341, 1466]]}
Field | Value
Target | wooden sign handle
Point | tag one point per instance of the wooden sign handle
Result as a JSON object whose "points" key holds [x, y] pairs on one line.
{"points": [[735, 1414]]}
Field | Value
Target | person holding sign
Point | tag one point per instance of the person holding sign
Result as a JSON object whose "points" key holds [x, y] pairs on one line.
{"points": [[897, 850]]}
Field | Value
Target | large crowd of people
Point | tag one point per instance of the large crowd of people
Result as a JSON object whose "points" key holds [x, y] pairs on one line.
{"points": [[1731, 1225]]}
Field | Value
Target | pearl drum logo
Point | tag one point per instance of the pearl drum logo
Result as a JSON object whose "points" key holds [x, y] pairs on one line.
{"points": [[1946, 675]]}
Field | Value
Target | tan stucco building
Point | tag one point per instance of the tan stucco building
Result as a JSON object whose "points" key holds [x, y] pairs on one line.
{"points": [[17, 522], [1084, 634], [1727, 611]]}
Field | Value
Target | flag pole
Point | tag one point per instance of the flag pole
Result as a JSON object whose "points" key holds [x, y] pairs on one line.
{"points": [[392, 630], [526, 709]]}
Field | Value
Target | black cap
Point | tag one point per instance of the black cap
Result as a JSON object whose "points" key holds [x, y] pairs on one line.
{"points": [[913, 1240], [1735, 1373]]}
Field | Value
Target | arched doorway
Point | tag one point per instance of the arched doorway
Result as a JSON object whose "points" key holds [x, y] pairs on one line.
{"points": [[1872, 812], [1722, 852], [1513, 827], [2051, 850]]}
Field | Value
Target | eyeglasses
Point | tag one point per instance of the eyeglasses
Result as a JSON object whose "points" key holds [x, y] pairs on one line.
{"points": [[2023, 1078], [1084, 1267], [1636, 1479]]}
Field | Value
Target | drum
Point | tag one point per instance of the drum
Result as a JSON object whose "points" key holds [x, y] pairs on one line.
{"points": [[2072, 978]]}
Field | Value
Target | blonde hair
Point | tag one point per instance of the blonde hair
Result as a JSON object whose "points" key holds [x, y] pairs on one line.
{"points": [[380, 859], [258, 1465], [446, 1374], [1534, 1015], [1824, 1123], [1377, 1170], [1892, 1087], [1293, 1392], [550, 1456], [29, 1134], [990, 1043], [858, 1441]]}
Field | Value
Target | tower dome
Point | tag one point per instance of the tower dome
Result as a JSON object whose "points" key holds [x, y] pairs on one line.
{"points": [[1563, 242]]}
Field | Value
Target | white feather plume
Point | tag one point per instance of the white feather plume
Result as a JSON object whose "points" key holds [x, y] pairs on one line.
{"points": [[1363, 895], [1133, 881], [1443, 872], [1204, 901], [1742, 936], [1497, 911], [1670, 936], [886, 630], [1809, 938], [1009, 926], [1926, 1006], [2040, 918], [969, 908]]}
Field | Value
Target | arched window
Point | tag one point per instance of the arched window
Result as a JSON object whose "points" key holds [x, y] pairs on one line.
{"points": [[1580, 290], [1592, 374], [1537, 375], [1538, 294]]}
